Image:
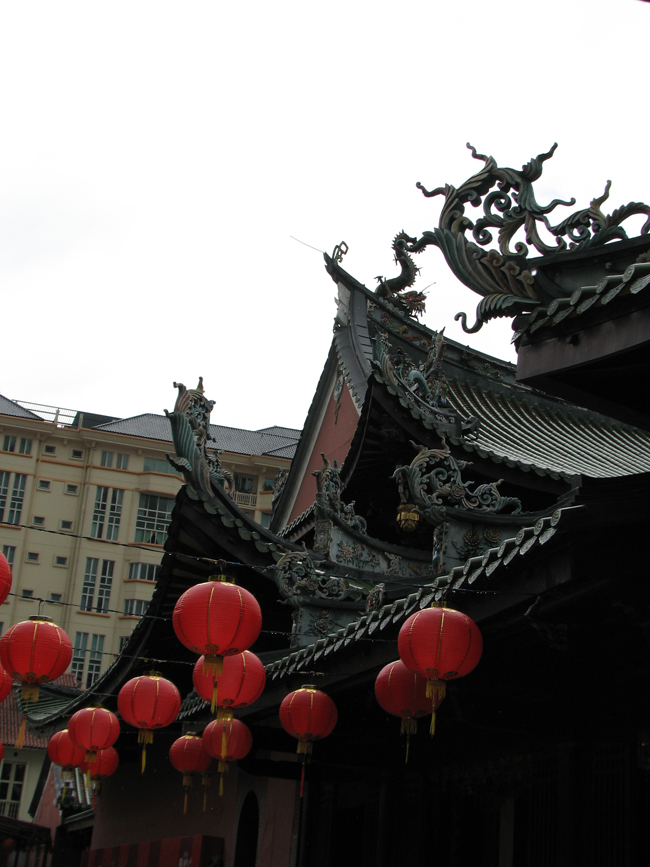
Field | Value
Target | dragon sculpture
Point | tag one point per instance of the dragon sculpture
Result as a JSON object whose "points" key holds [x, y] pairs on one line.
{"points": [[393, 290]]}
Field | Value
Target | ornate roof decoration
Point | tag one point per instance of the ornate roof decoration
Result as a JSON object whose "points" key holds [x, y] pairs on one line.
{"points": [[393, 290], [433, 481], [424, 387], [190, 423], [328, 497], [505, 277]]}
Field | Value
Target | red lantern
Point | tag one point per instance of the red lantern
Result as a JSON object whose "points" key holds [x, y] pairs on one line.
{"points": [[227, 741], [34, 652], [6, 682], [188, 755], [104, 764], [240, 683], [441, 644], [148, 702], [217, 619], [62, 751], [309, 715], [95, 729], [5, 578], [403, 693]]}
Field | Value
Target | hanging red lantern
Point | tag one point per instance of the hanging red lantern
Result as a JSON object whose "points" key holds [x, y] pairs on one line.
{"points": [[104, 765], [148, 702], [5, 578], [188, 755], [34, 652], [94, 729], [217, 619], [6, 682], [441, 644], [63, 752], [309, 715], [227, 741], [403, 693], [240, 683]]}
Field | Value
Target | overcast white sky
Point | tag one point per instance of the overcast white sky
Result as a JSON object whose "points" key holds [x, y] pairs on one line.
{"points": [[156, 157]]}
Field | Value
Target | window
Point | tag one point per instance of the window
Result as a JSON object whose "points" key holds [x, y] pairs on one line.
{"points": [[38, 521], [154, 515], [155, 465], [124, 640], [90, 583], [66, 525], [60, 561], [72, 489], [143, 572], [106, 459], [121, 462], [24, 445], [44, 484], [94, 657], [12, 777], [10, 552], [265, 519], [135, 607], [32, 556], [12, 514], [268, 484], [49, 450], [77, 454], [244, 484], [79, 655], [55, 597], [27, 594], [104, 503]]}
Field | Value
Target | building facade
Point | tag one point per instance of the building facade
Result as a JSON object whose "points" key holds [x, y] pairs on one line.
{"points": [[85, 502]]}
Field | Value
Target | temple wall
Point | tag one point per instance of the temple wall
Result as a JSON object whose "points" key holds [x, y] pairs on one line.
{"points": [[333, 438], [134, 807]]}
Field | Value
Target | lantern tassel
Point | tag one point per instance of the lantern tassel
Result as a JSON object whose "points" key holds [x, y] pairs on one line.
{"points": [[185, 802], [432, 727], [213, 664], [436, 690], [304, 748], [144, 757], [205, 798], [214, 696], [20, 737], [220, 785], [408, 741], [302, 780]]}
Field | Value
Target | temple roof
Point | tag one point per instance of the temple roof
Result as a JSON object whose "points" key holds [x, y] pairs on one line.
{"points": [[9, 407]]}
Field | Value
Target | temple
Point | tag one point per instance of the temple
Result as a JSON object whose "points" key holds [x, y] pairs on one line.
{"points": [[429, 472]]}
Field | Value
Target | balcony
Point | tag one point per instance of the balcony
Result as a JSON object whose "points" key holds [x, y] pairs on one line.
{"points": [[242, 499]]}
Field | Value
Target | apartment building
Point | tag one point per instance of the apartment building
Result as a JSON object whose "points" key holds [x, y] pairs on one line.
{"points": [[85, 501]]}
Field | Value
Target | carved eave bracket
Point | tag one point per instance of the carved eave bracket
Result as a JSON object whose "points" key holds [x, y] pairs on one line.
{"points": [[433, 482], [422, 388], [503, 276]]}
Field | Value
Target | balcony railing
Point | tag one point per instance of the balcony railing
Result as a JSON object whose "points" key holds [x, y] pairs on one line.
{"points": [[245, 499], [9, 808]]}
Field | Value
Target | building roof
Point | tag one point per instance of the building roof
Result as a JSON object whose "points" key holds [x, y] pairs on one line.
{"points": [[10, 407], [276, 441], [11, 717]]}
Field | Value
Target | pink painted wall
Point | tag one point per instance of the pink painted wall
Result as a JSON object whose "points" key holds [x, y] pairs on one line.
{"points": [[334, 439]]}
